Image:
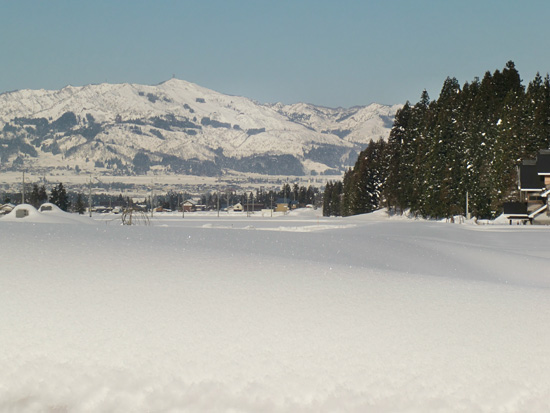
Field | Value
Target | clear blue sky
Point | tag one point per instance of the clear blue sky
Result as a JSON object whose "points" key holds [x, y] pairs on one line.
{"points": [[332, 53]]}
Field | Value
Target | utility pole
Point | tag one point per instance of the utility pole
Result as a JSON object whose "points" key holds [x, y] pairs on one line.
{"points": [[218, 199], [467, 207], [90, 197], [23, 190], [228, 192], [183, 205]]}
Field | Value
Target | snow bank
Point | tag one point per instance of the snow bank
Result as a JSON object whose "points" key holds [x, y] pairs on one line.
{"points": [[48, 213], [372, 316]]}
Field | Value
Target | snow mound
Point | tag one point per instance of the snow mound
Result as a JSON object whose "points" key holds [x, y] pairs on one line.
{"points": [[47, 213], [22, 212]]}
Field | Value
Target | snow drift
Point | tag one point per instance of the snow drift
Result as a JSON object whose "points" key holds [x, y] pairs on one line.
{"points": [[215, 314]]}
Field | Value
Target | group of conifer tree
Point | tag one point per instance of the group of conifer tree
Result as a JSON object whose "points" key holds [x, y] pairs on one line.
{"points": [[58, 196], [468, 141]]}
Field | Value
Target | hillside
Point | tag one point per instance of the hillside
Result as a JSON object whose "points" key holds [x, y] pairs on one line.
{"points": [[179, 127]]}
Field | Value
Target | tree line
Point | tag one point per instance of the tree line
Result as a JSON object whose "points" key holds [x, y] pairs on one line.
{"points": [[468, 142], [71, 201], [300, 195], [37, 195]]}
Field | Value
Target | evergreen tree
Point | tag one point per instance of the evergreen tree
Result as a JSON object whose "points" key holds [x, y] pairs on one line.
{"points": [[80, 206], [394, 190], [38, 195], [327, 198], [365, 183], [141, 163], [59, 197], [336, 199], [348, 195], [468, 141]]}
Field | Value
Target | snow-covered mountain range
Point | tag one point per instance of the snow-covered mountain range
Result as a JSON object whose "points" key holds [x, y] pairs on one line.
{"points": [[180, 127]]}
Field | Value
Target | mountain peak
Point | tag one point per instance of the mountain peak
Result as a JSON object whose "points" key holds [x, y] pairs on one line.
{"points": [[181, 127]]}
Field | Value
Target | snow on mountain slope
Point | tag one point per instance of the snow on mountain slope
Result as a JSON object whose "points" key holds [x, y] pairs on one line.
{"points": [[179, 125], [358, 124]]}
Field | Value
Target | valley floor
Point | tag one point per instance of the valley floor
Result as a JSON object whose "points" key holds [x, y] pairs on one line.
{"points": [[293, 313]]}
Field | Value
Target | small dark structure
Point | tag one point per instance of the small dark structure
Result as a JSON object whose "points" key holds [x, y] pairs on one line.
{"points": [[534, 187], [516, 211]]}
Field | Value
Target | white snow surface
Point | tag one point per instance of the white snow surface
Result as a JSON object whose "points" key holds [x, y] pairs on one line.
{"points": [[273, 314]]}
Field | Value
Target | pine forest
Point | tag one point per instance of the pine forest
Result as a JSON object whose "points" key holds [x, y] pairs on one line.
{"points": [[467, 143]]}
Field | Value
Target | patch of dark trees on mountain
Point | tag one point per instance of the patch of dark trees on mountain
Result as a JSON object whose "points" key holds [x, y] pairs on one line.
{"points": [[186, 106], [40, 129], [115, 163], [73, 150], [264, 164], [161, 123], [65, 122], [329, 155], [206, 121], [297, 117], [52, 147], [136, 130], [157, 133], [36, 127], [256, 131], [140, 122], [15, 145], [346, 116], [169, 122], [190, 166], [10, 128], [152, 97], [341, 133], [468, 141], [18, 163], [332, 172], [141, 163], [200, 100], [90, 131]]}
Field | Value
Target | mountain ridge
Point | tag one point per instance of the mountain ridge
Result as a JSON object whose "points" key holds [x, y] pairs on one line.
{"points": [[180, 127]]}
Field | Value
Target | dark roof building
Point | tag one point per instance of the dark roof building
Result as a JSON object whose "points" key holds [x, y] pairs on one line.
{"points": [[515, 209], [543, 162], [534, 186], [529, 178]]}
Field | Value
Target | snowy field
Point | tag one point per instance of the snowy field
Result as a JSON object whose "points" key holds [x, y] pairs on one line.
{"points": [[295, 313]]}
